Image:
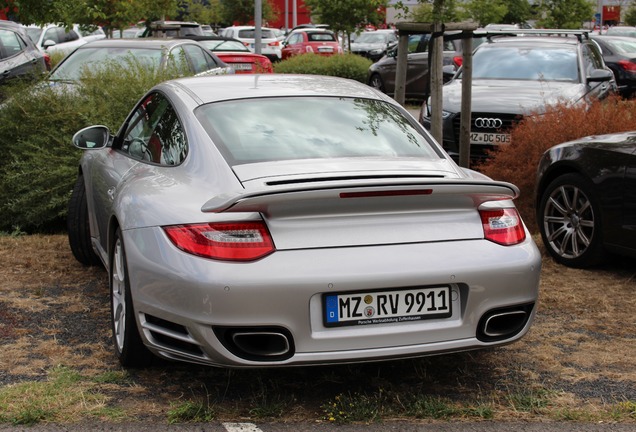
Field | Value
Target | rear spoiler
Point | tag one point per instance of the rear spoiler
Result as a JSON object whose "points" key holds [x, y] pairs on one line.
{"points": [[260, 200]]}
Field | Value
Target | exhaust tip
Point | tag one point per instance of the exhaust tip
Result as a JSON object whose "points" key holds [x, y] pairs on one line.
{"points": [[500, 324], [257, 344]]}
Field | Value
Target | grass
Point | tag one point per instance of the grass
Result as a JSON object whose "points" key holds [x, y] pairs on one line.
{"points": [[65, 396], [576, 364]]}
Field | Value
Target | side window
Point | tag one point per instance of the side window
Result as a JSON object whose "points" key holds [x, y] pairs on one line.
{"points": [[10, 44], [197, 58], [52, 34], [69, 36], [591, 59], [155, 134], [177, 59], [294, 39]]}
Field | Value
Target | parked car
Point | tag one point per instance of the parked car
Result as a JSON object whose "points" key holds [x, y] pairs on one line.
{"points": [[172, 29], [381, 74], [54, 38], [318, 41], [585, 200], [129, 33], [628, 31], [270, 40], [156, 53], [207, 30], [374, 44], [19, 57], [234, 53], [619, 54], [243, 222], [515, 76]]}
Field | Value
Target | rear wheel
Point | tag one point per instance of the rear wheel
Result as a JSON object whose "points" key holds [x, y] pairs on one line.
{"points": [[78, 227], [570, 222], [376, 82], [128, 344]]}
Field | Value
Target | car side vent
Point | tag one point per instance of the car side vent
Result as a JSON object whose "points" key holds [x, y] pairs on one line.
{"points": [[170, 335], [347, 178]]}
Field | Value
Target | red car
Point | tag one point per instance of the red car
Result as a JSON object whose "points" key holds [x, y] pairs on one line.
{"points": [[236, 54], [311, 40]]}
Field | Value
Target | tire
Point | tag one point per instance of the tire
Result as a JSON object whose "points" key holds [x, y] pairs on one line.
{"points": [[78, 227], [569, 219], [129, 347], [376, 82]]}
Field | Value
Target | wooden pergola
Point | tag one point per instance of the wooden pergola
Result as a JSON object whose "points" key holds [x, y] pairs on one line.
{"points": [[465, 32]]}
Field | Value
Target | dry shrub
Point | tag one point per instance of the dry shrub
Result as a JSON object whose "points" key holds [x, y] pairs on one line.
{"points": [[517, 163]]}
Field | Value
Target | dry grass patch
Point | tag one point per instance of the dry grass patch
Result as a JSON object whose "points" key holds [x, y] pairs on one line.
{"points": [[575, 364]]}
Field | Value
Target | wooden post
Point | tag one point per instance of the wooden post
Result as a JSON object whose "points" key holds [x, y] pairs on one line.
{"points": [[437, 81], [466, 109], [401, 67]]}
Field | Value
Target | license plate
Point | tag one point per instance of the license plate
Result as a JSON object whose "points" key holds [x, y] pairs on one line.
{"points": [[489, 138], [325, 49], [382, 307], [242, 66]]}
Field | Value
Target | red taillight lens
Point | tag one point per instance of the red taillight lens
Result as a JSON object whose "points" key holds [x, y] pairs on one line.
{"points": [[47, 61], [309, 49], [274, 44], [458, 60], [503, 226], [627, 65], [233, 241]]}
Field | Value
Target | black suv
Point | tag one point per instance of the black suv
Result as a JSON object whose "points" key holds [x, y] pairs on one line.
{"points": [[517, 75]]}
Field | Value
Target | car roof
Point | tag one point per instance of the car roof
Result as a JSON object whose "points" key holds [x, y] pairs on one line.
{"points": [[312, 30], [10, 24], [534, 41], [150, 43], [243, 86]]}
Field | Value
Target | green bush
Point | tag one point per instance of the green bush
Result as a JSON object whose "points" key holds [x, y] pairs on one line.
{"points": [[518, 162], [350, 66], [39, 163]]}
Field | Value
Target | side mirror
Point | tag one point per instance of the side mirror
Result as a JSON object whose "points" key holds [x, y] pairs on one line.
{"points": [[600, 75], [48, 43], [92, 137]]}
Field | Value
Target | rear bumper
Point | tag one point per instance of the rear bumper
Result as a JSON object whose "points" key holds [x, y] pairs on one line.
{"points": [[192, 297]]}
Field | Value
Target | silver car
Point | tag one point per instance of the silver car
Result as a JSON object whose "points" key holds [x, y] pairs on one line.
{"points": [[275, 220]]}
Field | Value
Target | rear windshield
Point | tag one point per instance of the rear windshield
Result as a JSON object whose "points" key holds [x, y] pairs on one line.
{"points": [[272, 129], [526, 63], [251, 34], [72, 67], [321, 37]]}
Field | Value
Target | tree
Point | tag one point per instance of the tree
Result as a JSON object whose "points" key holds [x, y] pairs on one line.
{"points": [[630, 16], [201, 11], [242, 11], [567, 14], [346, 16], [519, 11], [487, 11], [110, 14], [448, 12]]}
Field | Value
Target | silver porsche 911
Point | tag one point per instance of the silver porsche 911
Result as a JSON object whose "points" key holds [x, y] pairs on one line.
{"points": [[295, 220]]}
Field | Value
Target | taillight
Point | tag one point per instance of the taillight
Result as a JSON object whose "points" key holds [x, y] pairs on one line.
{"points": [[458, 60], [47, 61], [309, 49], [228, 241], [274, 43], [627, 65], [503, 226]]}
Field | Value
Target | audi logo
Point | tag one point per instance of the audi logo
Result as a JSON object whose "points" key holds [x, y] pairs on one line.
{"points": [[488, 123]]}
